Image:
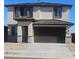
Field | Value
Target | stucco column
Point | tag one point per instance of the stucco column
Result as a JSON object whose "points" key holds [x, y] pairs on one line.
{"points": [[30, 33], [68, 36], [19, 34]]}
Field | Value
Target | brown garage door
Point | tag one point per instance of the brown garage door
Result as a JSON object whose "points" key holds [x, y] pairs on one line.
{"points": [[49, 34]]}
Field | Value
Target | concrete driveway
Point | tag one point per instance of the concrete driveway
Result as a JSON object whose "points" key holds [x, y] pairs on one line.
{"points": [[39, 51]]}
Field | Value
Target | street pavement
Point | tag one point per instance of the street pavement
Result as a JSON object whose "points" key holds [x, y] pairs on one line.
{"points": [[25, 58]]}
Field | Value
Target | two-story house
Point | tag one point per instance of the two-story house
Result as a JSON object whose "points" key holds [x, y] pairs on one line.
{"points": [[39, 22]]}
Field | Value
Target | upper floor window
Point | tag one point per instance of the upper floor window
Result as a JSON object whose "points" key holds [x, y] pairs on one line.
{"points": [[23, 12], [16, 12], [58, 12]]}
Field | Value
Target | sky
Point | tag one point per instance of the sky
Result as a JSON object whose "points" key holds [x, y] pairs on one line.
{"points": [[72, 11]]}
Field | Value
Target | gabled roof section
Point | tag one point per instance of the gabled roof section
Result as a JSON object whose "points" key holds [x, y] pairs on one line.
{"points": [[38, 4]]}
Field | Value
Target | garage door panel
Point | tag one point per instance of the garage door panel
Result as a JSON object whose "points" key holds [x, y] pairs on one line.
{"points": [[48, 34], [46, 39]]}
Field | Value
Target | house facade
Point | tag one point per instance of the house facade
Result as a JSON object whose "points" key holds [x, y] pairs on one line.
{"points": [[39, 22]]}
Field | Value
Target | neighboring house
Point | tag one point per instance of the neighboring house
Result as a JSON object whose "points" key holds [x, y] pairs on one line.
{"points": [[5, 33], [39, 22]]}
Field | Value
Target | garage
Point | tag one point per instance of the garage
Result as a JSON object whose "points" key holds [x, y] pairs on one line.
{"points": [[49, 34]]}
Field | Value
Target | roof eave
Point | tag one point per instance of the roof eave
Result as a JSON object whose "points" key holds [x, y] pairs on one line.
{"points": [[36, 4]]}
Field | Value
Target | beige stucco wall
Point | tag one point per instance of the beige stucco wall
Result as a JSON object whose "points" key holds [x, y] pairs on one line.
{"points": [[65, 14], [42, 13], [36, 13], [47, 13], [10, 16]]}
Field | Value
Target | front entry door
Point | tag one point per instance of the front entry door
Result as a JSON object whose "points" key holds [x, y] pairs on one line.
{"points": [[25, 34]]}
